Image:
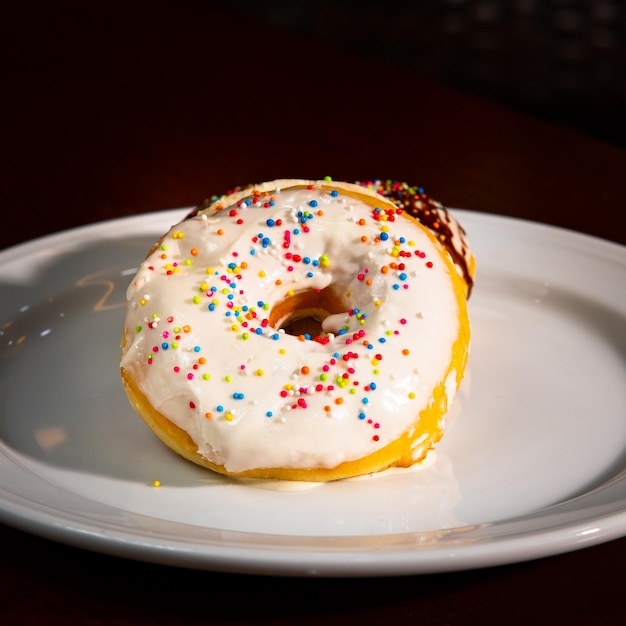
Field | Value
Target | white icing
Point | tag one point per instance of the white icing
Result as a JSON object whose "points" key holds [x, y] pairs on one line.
{"points": [[264, 409]]}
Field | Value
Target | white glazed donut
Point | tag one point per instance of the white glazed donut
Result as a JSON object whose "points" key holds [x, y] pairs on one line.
{"points": [[303, 330]]}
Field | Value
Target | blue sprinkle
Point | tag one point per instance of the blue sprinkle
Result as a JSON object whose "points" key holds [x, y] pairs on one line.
{"points": [[269, 414], [402, 276], [238, 396], [384, 236], [196, 348], [275, 336], [211, 307], [382, 340], [361, 416], [219, 408], [396, 286], [165, 346], [334, 193], [270, 222], [310, 274], [365, 400], [306, 260], [372, 386], [313, 203]]}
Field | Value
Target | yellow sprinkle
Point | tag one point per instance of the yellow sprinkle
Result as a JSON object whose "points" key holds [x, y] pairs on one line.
{"points": [[228, 417], [156, 483], [262, 274], [259, 372], [282, 351], [411, 396], [142, 301], [290, 292], [234, 328]]}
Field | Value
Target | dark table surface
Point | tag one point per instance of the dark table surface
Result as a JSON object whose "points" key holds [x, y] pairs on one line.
{"points": [[111, 112]]}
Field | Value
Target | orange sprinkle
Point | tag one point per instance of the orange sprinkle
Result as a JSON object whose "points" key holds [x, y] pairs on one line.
{"points": [[369, 281], [364, 239], [186, 328], [327, 408], [362, 222], [406, 351], [278, 281], [384, 269], [194, 251], [220, 231], [208, 415], [305, 369], [338, 400]]}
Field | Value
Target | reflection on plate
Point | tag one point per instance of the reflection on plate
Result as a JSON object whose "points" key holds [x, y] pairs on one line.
{"points": [[533, 462]]}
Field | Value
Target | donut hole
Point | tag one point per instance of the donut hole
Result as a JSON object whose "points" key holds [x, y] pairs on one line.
{"points": [[304, 312]]}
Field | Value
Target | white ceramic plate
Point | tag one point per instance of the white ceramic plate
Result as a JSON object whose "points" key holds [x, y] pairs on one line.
{"points": [[533, 462]]}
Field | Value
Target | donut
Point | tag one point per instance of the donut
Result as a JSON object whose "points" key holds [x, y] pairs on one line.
{"points": [[306, 330]]}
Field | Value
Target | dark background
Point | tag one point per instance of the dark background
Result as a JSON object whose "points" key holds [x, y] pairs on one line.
{"points": [[563, 61]]}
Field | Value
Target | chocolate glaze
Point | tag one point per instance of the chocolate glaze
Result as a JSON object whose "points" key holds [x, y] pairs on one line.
{"points": [[433, 216]]}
